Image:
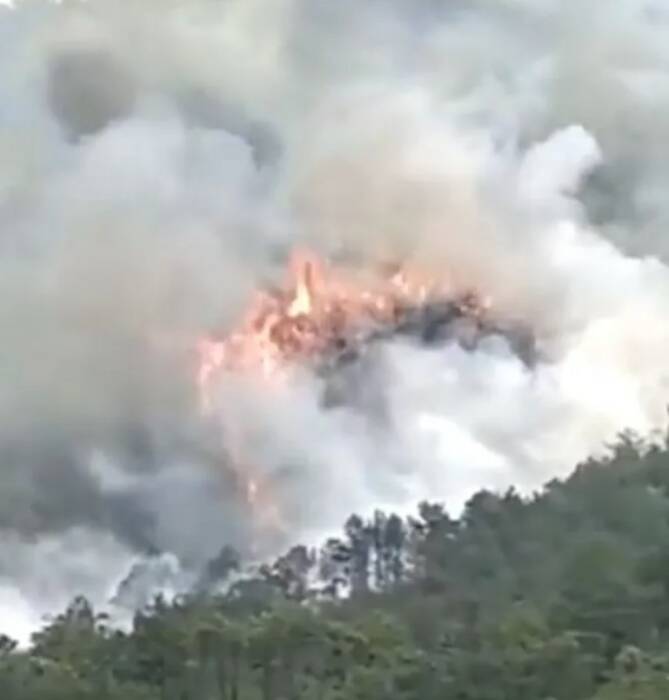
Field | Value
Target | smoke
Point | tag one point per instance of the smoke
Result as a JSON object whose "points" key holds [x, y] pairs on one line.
{"points": [[157, 161]]}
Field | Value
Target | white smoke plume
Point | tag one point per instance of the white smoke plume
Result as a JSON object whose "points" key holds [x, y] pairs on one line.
{"points": [[157, 159]]}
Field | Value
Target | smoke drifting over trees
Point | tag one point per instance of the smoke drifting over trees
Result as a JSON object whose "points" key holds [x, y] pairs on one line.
{"points": [[157, 161], [563, 595]]}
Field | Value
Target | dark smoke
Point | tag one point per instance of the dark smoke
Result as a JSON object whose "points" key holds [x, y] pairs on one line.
{"points": [[88, 90], [157, 161]]}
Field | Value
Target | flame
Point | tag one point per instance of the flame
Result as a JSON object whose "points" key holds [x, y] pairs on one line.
{"points": [[314, 311], [317, 310], [304, 272]]}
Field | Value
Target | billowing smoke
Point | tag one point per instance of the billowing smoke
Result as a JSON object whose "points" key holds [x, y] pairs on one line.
{"points": [[158, 160]]}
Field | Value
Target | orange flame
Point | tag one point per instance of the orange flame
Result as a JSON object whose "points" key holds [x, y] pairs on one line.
{"points": [[304, 273], [315, 310], [311, 313]]}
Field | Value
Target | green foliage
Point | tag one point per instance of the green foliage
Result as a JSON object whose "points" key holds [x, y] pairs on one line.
{"points": [[636, 677], [564, 596]]}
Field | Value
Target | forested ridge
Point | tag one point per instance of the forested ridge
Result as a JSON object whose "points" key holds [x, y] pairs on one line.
{"points": [[561, 596]]}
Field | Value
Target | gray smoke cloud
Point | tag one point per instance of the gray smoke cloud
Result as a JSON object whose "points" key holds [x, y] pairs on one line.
{"points": [[157, 159]]}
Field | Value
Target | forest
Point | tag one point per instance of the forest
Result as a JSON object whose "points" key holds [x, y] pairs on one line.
{"points": [[563, 595]]}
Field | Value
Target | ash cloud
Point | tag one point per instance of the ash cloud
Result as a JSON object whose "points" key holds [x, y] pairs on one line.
{"points": [[158, 159]]}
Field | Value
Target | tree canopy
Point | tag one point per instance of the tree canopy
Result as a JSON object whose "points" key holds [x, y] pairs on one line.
{"points": [[561, 596]]}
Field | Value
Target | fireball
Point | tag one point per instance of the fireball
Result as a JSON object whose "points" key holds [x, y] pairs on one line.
{"points": [[319, 310]]}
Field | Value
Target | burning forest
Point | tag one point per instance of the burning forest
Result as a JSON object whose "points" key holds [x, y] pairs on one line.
{"points": [[323, 318], [268, 263]]}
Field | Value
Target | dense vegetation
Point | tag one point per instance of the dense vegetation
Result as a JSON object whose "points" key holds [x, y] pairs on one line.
{"points": [[561, 596]]}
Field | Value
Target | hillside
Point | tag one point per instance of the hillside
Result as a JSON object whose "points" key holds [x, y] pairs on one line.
{"points": [[562, 596]]}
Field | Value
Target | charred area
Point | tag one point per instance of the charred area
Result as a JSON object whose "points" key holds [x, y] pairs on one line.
{"points": [[350, 365], [433, 324]]}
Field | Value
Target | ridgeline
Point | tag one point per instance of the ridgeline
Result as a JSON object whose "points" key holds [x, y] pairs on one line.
{"points": [[562, 596]]}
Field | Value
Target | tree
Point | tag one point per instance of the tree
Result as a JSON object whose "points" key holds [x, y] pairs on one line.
{"points": [[562, 596]]}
